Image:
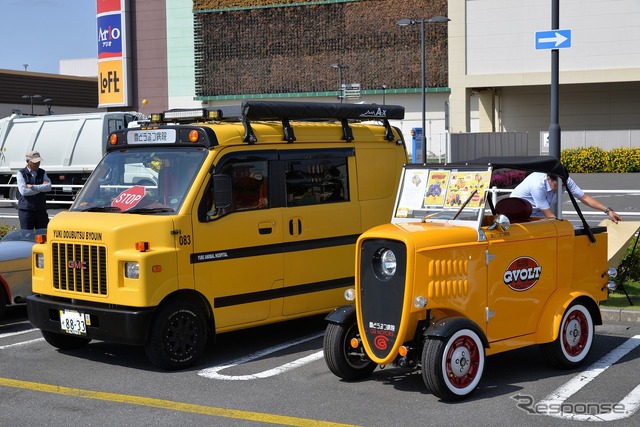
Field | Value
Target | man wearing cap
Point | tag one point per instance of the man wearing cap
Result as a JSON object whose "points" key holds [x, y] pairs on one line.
{"points": [[33, 183]]}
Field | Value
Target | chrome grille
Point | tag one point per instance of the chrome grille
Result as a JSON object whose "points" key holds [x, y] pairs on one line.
{"points": [[80, 268]]}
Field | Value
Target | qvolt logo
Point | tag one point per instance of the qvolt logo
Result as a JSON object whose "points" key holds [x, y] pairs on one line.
{"points": [[110, 36]]}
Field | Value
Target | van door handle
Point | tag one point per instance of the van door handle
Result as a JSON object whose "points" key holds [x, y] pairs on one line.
{"points": [[265, 228], [293, 230]]}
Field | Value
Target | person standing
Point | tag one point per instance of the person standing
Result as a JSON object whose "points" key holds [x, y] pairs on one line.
{"points": [[541, 190], [33, 183]]}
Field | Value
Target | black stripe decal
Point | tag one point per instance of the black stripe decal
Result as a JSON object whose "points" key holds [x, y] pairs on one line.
{"points": [[283, 292], [273, 249]]}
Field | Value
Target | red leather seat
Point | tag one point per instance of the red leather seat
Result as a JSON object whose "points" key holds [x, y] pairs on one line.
{"points": [[514, 208]]}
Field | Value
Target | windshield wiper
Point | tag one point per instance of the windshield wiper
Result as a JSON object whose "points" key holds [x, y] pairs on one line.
{"points": [[101, 209], [473, 193], [149, 210]]}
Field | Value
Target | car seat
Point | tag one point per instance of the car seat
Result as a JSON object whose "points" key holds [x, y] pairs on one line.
{"points": [[514, 208]]}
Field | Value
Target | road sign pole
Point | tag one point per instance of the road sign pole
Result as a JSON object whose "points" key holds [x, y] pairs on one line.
{"points": [[554, 125]]}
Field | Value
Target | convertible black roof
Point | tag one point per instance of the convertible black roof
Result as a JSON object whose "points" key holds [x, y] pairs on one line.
{"points": [[547, 164]]}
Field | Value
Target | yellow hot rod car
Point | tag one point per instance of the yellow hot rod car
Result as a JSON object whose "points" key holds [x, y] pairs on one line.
{"points": [[456, 277]]}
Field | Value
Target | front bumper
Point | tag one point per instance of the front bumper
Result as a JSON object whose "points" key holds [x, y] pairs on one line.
{"points": [[122, 325]]}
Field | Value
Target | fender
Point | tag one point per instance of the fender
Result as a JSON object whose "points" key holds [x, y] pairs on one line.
{"points": [[551, 316], [343, 315], [444, 328]]}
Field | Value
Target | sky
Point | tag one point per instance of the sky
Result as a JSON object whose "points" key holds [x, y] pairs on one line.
{"points": [[42, 32]]}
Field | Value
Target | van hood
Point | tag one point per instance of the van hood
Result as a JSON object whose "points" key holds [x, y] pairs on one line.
{"points": [[98, 228]]}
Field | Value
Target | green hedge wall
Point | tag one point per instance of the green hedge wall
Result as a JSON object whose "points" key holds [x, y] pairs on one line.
{"points": [[595, 159]]}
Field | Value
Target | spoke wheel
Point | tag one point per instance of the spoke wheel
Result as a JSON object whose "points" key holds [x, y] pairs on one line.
{"points": [[575, 338], [452, 367], [342, 359], [178, 336]]}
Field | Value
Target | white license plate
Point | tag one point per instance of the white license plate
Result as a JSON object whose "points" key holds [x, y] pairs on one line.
{"points": [[73, 322]]}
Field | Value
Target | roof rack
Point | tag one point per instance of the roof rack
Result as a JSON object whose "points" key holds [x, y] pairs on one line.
{"points": [[286, 111]]}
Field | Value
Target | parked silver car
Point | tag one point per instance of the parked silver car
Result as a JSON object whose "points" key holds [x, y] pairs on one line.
{"points": [[15, 266]]}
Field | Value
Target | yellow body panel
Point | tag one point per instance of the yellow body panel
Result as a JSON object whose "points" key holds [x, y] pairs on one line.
{"points": [[515, 285], [254, 266]]}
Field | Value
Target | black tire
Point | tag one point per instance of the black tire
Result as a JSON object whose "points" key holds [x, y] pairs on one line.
{"points": [[453, 367], [178, 336], [13, 195], [344, 361], [574, 341], [64, 341], [3, 302]]}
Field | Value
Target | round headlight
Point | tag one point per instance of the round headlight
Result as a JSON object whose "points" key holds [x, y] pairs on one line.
{"points": [[385, 263]]}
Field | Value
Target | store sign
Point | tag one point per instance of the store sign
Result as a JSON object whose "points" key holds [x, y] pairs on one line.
{"points": [[113, 57]]}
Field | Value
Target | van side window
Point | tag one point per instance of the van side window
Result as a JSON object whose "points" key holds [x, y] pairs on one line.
{"points": [[317, 181], [249, 187]]}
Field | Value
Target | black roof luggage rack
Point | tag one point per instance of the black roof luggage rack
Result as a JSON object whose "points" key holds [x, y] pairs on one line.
{"points": [[286, 111]]}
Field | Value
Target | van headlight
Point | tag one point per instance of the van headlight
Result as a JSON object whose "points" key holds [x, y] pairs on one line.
{"points": [[384, 264], [132, 270]]}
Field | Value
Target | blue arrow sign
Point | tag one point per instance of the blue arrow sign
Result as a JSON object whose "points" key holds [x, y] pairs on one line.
{"points": [[554, 39]]}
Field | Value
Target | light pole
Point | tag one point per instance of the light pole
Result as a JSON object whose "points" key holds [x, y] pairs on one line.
{"points": [[31, 98], [403, 23], [340, 67], [384, 92], [49, 103]]}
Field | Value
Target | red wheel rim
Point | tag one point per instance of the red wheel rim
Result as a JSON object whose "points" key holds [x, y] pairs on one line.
{"points": [[575, 333], [462, 362]]}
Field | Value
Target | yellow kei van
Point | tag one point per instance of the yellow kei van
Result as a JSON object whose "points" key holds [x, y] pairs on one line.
{"points": [[253, 220], [455, 277]]}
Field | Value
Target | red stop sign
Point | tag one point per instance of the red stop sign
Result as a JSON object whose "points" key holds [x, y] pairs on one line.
{"points": [[129, 198]]}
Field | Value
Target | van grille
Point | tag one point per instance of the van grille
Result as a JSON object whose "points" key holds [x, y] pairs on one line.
{"points": [[80, 268]]}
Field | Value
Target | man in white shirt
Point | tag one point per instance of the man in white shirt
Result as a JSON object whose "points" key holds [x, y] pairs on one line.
{"points": [[541, 190]]}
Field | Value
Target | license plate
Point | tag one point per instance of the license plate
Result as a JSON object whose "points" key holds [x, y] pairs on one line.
{"points": [[73, 322]]}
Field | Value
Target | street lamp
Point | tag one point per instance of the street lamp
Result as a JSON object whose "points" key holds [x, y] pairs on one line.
{"points": [[403, 23], [48, 103], [31, 98], [340, 67], [384, 92]]}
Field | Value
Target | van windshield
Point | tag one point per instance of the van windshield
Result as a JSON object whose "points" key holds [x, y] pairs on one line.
{"points": [[144, 181]]}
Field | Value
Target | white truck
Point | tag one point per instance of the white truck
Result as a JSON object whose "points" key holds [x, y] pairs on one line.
{"points": [[70, 144]]}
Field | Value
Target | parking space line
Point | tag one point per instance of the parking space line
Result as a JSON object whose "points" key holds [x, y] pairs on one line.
{"points": [[630, 403], [169, 405], [214, 372], [2, 347], [10, 334]]}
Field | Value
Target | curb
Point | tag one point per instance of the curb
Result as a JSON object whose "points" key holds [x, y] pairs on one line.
{"points": [[620, 315]]}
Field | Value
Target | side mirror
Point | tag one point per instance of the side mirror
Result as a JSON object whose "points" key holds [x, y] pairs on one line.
{"points": [[222, 191], [501, 222]]}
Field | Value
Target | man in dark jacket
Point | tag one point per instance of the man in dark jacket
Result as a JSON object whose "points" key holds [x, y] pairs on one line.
{"points": [[33, 183]]}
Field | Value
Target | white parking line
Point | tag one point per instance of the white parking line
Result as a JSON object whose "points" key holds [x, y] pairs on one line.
{"points": [[10, 334], [2, 347], [629, 404], [214, 372]]}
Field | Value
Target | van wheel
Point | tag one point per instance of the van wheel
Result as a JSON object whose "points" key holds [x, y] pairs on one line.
{"points": [[574, 338], [343, 360], [452, 367], [65, 342], [178, 336]]}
